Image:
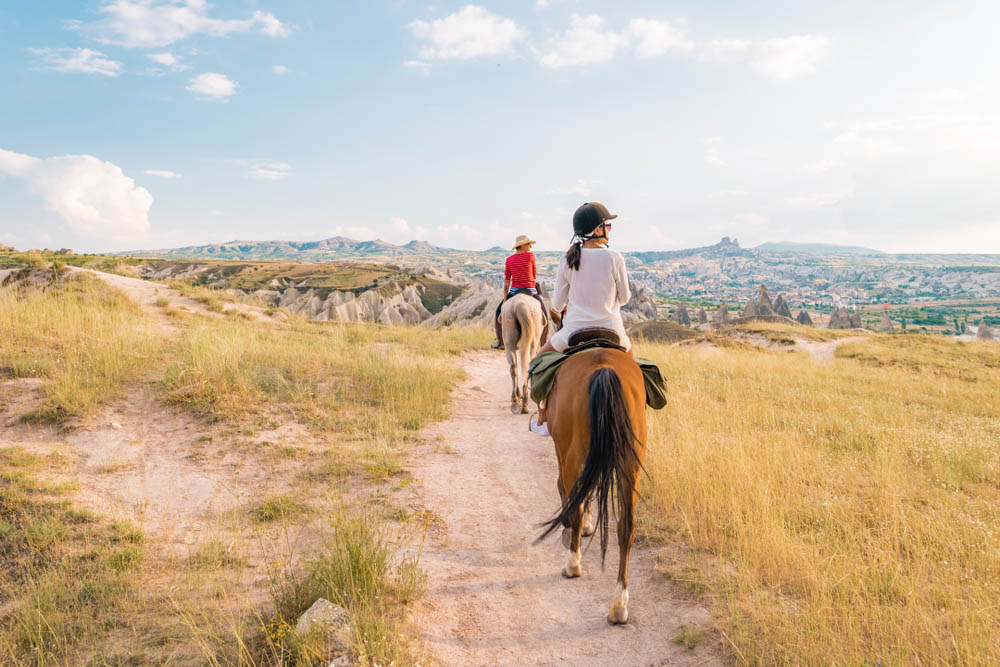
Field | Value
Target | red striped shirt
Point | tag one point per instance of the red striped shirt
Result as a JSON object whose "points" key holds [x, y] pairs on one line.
{"points": [[520, 270]]}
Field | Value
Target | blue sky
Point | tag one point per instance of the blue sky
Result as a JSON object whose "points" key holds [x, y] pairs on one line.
{"points": [[153, 123]]}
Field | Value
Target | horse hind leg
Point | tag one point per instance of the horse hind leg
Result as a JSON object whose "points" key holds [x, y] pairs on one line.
{"points": [[514, 398], [588, 521], [574, 566], [618, 614]]}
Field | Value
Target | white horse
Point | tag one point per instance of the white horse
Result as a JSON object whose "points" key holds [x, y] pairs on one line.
{"points": [[522, 321]]}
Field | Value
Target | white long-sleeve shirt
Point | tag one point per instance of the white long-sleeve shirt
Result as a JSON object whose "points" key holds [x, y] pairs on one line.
{"points": [[593, 295]]}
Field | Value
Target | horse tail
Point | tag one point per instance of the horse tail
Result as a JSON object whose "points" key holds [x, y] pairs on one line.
{"points": [[611, 459]]}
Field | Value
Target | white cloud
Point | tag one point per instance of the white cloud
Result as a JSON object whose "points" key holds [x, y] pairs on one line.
{"points": [[155, 23], [818, 200], [267, 170], [752, 219], [713, 155], [356, 233], [968, 238], [279, 69], [452, 232], [400, 225], [424, 67], [583, 43], [730, 193], [779, 58], [168, 60], [472, 32], [93, 196], [213, 86], [271, 26], [657, 37], [162, 173], [581, 187], [85, 61], [7, 237], [658, 238], [791, 57], [822, 166]]}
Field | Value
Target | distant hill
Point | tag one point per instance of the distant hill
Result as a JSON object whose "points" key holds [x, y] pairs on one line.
{"points": [[817, 248], [725, 247], [337, 247]]}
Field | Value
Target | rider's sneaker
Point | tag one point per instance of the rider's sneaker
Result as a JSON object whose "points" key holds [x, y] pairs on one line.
{"points": [[535, 428], [496, 345]]}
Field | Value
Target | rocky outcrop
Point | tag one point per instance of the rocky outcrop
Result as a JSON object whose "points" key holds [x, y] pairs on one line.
{"points": [[840, 319], [476, 305], [764, 305], [640, 307], [983, 331], [750, 310], [681, 316], [804, 318], [702, 317], [33, 278], [389, 305], [781, 308], [721, 316], [886, 324]]}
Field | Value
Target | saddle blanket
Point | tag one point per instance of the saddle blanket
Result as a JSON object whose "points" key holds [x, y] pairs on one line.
{"points": [[542, 373]]}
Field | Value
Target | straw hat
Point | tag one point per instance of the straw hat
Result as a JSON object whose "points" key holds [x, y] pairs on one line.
{"points": [[522, 240]]}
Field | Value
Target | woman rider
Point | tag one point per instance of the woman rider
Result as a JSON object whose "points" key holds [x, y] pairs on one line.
{"points": [[520, 276], [591, 282]]}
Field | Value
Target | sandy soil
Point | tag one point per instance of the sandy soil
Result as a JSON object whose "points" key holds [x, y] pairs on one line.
{"points": [[494, 597]]}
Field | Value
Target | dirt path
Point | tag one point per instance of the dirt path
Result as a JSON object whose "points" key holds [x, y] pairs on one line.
{"points": [[824, 351], [495, 598]]}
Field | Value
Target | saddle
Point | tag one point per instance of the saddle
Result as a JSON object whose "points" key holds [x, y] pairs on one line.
{"points": [[591, 337]]}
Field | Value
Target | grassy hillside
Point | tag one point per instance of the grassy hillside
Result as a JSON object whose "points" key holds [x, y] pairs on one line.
{"points": [[843, 512], [80, 586]]}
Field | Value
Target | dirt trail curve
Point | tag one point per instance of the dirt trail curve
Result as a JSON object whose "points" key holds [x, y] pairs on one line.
{"points": [[493, 597]]}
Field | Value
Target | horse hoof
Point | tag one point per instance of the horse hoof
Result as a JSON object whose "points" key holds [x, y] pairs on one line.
{"points": [[515, 408], [618, 615], [572, 572]]}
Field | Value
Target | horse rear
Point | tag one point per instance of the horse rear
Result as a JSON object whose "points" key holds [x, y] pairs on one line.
{"points": [[597, 418], [522, 321]]}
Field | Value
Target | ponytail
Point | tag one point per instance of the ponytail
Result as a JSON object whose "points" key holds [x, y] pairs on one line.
{"points": [[573, 255]]}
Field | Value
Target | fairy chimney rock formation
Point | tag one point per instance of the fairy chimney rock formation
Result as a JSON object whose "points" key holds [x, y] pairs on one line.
{"points": [[702, 317], [751, 309], [721, 316], [804, 318], [682, 317], [983, 332], [886, 324], [840, 319], [781, 308], [764, 305], [856, 322]]}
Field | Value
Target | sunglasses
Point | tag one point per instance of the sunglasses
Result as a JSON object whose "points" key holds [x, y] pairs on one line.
{"points": [[607, 225]]}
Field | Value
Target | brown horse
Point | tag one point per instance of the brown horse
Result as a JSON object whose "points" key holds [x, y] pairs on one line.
{"points": [[522, 320], [597, 418]]}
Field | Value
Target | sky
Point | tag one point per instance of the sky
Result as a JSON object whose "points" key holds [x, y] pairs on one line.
{"points": [[129, 124]]}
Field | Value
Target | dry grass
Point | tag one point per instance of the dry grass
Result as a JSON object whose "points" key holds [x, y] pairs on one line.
{"points": [[372, 382], [66, 576], [853, 506], [781, 332], [84, 338]]}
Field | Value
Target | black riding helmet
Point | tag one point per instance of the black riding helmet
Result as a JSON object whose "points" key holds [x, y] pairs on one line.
{"points": [[589, 217]]}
